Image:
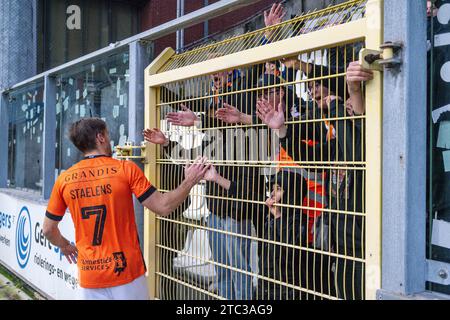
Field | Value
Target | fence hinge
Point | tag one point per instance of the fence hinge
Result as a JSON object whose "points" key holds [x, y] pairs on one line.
{"points": [[126, 152], [388, 57]]}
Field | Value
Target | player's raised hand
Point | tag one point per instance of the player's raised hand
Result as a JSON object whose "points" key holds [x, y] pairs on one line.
{"points": [[196, 171]]}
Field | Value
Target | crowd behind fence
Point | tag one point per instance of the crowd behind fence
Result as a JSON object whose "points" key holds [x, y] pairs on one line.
{"points": [[281, 214]]}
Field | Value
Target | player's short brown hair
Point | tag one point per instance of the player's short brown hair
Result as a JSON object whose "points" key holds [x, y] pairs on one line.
{"points": [[83, 133]]}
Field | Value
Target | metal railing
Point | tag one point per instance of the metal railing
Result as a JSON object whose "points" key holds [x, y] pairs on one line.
{"points": [[302, 24], [338, 256]]}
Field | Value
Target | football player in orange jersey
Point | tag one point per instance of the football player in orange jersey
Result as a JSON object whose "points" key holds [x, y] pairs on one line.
{"points": [[98, 193]]}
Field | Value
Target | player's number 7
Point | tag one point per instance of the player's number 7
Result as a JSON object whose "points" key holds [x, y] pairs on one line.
{"points": [[100, 212]]}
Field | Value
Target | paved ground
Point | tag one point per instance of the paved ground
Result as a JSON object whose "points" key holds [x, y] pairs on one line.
{"points": [[8, 291]]}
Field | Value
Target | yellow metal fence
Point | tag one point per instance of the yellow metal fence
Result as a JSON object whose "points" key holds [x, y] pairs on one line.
{"points": [[298, 216]]}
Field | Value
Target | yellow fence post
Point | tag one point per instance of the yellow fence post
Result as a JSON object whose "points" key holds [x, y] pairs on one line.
{"points": [[151, 227], [374, 116]]}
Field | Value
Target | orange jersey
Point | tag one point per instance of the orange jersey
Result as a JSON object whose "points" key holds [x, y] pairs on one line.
{"points": [[98, 192]]}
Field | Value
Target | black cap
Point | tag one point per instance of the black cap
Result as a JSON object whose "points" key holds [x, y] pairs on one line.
{"points": [[335, 84]]}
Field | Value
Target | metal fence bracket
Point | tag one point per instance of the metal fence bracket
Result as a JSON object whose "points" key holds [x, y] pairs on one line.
{"points": [[387, 57], [438, 272]]}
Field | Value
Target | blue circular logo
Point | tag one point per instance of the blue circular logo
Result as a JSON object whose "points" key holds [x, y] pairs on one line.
{"points": [[23, 237]]}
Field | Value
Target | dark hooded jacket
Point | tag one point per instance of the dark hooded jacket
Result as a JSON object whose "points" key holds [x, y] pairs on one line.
{"points": [[277, 261]]}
